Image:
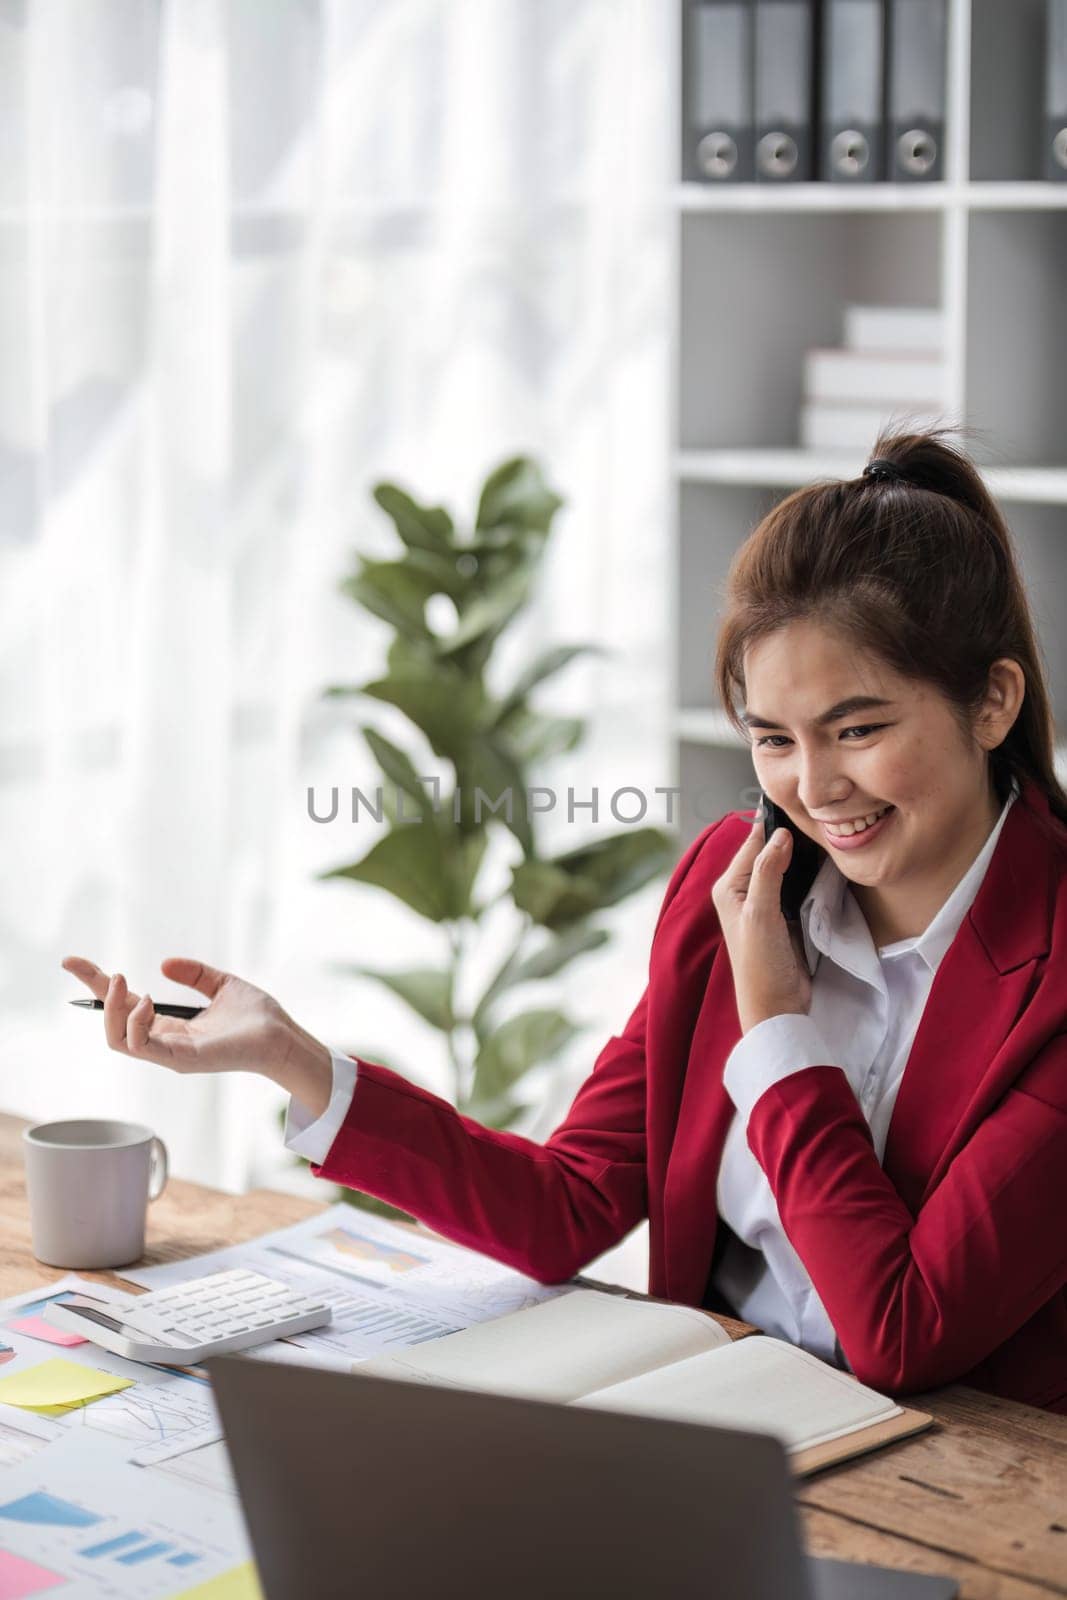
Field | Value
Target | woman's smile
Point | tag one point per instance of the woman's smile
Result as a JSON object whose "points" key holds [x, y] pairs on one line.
{"points": [[860, 835]]}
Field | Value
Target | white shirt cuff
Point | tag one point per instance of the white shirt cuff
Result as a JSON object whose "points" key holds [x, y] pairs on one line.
{"points": [[312, 1138], [774, 1049]]}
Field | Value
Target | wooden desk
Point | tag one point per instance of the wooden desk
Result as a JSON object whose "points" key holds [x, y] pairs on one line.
{"points": [[982, 1496]]}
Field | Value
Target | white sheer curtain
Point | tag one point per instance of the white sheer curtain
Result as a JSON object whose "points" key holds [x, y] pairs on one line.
{"points": [[253, 259]]}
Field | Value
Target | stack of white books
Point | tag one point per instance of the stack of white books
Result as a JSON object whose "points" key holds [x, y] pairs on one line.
{"points": [[892, 368]]}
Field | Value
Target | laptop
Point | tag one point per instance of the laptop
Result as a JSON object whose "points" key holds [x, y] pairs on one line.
{"points": [[389, 1490]]}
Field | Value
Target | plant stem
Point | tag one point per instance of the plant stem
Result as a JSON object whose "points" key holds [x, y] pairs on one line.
{"points": [[458, 1072]]}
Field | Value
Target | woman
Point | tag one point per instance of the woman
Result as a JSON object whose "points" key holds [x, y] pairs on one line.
{"points": [[853, 1133]]}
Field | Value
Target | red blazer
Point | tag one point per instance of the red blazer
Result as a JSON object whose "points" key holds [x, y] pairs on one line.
{"points": [[948, 1261]]}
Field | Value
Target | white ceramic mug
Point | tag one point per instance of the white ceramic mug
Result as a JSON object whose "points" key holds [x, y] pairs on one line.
{"points": [[89, 1182]]}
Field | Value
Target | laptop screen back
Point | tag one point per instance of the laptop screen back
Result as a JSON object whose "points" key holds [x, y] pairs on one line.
{"points": [[381, 1488]]}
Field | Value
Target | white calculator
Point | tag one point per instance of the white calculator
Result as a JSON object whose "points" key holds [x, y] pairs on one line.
{"points": [[191, 1321]]}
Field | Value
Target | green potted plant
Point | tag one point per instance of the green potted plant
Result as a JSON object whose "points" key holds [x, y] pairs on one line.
{"points": [[435, 844]]}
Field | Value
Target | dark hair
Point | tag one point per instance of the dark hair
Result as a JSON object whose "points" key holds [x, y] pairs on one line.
{"points": [[916, 567]]}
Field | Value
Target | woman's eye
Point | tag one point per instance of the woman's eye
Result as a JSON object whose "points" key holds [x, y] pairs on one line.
{"points": [[862, 729]]}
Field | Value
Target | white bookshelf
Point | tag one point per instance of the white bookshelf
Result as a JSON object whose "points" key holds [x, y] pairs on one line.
{"points": [[762, 273]]}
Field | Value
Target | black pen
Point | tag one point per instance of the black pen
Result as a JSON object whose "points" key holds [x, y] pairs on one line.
{"points": [[161, 1009]]}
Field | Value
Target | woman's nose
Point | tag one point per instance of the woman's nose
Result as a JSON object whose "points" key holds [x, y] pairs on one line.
{"points": [[822, 794]]}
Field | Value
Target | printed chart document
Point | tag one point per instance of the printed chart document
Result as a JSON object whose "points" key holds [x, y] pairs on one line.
{"points": [[610, 1353], [78, 1519], [387, 1286]]}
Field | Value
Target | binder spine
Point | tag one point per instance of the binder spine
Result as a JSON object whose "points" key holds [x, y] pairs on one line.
{"points": [[784, 55], [1056, 92], [917, 58], [717, 81], [852, 91]]}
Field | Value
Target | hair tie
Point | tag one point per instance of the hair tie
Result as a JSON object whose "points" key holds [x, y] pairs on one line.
{"points": [[881, 469]]}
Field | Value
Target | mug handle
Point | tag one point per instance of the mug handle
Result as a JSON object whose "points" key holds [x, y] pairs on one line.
{"points": [[158, 1169]]}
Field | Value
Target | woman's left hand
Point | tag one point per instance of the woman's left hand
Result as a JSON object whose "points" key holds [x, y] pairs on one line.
{"points": [[766, 952]]}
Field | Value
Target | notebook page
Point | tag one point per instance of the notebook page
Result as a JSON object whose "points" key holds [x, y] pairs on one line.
{"points": [[762, 1384], [559, 1349]]}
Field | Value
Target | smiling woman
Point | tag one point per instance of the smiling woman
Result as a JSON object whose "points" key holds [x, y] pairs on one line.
{"points": [[881, 627]]}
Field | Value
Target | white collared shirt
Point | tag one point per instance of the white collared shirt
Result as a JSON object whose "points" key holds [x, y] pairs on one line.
{"points": [[865, 1010]]}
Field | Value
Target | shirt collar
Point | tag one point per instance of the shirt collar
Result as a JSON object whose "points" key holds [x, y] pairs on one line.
{"points": [[828, 908]]}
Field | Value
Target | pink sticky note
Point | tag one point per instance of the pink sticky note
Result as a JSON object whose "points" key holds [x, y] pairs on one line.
{"points": [[38, 1328], [19, 1578]]}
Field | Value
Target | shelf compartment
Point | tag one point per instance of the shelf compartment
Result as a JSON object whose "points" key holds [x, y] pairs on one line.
{"points": [[714, 521], [1016, 378], [760, 292]]}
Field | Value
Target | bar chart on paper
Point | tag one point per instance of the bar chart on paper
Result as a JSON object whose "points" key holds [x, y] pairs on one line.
{"points": [[81, 1517]]}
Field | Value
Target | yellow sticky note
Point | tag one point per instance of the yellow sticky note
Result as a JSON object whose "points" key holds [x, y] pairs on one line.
{"points": [[58, 1383], [240, 1583]]}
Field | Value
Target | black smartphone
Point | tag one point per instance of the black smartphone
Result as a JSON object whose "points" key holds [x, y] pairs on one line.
{"points": [[804, 863]]}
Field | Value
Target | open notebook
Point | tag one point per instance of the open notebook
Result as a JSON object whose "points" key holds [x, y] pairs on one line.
{"points": [[585, 1348]]}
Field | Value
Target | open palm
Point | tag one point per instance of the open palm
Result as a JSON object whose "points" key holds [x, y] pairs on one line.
{"points": [[241, 1029]]}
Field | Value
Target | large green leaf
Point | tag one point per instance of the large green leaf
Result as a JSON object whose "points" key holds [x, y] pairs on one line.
{"points": [[563, 890], [420, 527], [535, 738], [449, 707], [487, 766], [553, 956], [552, 897], [558, 953], [516, 493], [396, 591], [408, 655], [623, 863], [398, 768], [431, 866], [522, 1042], [412, 864], [464, 855], [427, 991]]}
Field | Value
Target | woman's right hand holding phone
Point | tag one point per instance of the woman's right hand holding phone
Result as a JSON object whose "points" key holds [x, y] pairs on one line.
{"points": [[242, 1029]]}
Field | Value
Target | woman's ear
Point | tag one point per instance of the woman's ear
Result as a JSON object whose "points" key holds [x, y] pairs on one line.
{"points": [[1005, 693]]}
